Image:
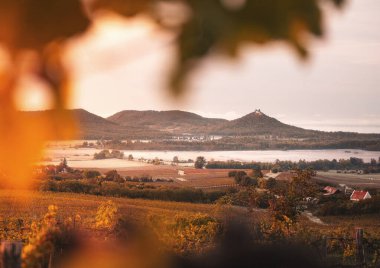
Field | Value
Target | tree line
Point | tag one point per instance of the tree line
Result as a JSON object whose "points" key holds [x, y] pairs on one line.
{"points": [[149, 192], [353, 163]]}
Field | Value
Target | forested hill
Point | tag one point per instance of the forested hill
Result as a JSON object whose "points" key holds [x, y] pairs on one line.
{"points": [[92, 126], [166, 124], [178, 122], [253, 124], [258, 123]]}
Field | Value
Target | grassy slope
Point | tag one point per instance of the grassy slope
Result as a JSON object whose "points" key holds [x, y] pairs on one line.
{"points": [[370, 223], [33, 205]]}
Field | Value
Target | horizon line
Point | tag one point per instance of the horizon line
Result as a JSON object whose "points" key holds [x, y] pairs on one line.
{"points": [[314, 126]]}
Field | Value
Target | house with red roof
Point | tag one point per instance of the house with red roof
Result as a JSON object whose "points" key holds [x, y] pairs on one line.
{"points": [[360, 195], [330, 190]]}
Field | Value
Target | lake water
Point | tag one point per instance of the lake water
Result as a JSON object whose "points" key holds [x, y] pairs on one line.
{"points": [[83, 157], [262, 156]]}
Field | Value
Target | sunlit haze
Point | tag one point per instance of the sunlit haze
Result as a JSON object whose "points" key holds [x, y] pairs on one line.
{"points": [[100, 169], [124, 65]]}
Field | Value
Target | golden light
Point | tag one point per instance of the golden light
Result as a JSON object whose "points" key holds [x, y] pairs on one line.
{"points": [[33, 95]]}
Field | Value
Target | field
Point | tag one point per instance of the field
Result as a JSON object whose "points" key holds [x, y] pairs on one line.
{"points": [[22, 211], [370, 223], [192, 177], [30, 205], [180, 227], [354, 180]]}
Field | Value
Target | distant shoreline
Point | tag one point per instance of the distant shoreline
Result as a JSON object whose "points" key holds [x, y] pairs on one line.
{"points": [[83, 157]]}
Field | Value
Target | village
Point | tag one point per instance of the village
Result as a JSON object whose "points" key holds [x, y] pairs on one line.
{"points": [[355, 195], [157, 176]]}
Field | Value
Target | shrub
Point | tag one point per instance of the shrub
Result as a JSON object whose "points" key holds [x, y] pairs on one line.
{"points": [[200, 162], [106, 215], [348, 207], [262, 200], [232, 174], [91, 174], [113, 175], [111, 188], [239, 175]]}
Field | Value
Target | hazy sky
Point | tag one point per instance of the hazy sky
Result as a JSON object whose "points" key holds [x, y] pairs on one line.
{"points": [[338, 89]]}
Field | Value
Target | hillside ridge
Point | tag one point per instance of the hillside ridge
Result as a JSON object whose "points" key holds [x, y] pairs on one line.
{"points": [[152, 124]]}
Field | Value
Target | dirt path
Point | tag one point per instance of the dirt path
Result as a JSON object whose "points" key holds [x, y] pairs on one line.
{"points": [[313, 218]]}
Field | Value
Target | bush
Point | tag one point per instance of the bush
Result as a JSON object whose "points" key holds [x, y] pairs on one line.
{"points": [[232, 174], [348, 207], [262, 200], [200, 162], [248, 181], [72, 186], [240, 198], [268, 184], [256, 173], [113, 175], [101, 155], [91, 174], [243, 179], [106, 154], [111, 188], [143, 178], [239, 176]]}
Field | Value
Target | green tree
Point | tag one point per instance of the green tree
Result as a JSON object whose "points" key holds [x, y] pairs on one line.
{"points": [[64, 163], [104, 154], [106, 215], [270, 183], [175, 161], [156, 161], [256, 173], [288, 202], [260, 200], [113, 175], [248, 181], [200, 162], [63, 166], [239, 175], [91, 174], [117, 154]]}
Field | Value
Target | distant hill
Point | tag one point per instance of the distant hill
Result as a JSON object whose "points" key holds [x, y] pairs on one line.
{"points": [[258, 123], [250, 125], [177, 122], [239, 133], [95, 127]]}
